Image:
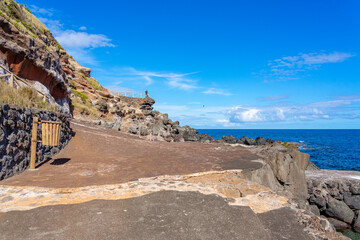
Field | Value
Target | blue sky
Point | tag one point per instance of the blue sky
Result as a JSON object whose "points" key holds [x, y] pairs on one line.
{"points": [[222, 64]]}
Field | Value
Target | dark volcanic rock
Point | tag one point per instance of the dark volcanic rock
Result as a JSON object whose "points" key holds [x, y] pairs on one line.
{"points": [[229, 139], [339, 210], [205, 138], [260, 141], [356, 225], [315, 210], [339, 225], [15, 141], [353, 201], [355, 188], [102, 105], [249, 141], [190, 134]]}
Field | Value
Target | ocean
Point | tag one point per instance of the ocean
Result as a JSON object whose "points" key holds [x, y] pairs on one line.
{"points": [[329, 149]]}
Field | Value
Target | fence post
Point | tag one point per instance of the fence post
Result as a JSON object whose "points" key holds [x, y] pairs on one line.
{"points": [[11, 80], [33, 143]]}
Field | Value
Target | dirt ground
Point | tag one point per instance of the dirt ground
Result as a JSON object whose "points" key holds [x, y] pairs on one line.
{"points": [[97, 156]]}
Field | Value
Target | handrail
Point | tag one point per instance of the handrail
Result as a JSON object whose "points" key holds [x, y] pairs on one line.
{"points": [[21, 80]]}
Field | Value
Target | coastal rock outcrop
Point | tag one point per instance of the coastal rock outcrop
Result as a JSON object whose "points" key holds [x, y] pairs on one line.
{"points": [[138, 117], [288, 166], [336, 195], [27, 48]]}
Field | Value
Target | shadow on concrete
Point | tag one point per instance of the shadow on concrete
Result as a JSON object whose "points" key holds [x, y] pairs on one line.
{"points": [[60, 161]]}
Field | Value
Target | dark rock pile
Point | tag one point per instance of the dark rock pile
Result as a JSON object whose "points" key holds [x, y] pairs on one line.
{"points": [[139, 117], [245, 140], [15, 137], [338, 200]]}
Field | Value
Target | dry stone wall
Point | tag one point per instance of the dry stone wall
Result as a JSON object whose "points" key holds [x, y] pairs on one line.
{"points": [[15, 137]]}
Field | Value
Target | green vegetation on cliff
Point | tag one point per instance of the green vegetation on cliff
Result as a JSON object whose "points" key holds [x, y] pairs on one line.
{"points": [[22, 18]]}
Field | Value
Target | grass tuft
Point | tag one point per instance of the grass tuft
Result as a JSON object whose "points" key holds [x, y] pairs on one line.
{"points": [[23, 97], [83, 97]]}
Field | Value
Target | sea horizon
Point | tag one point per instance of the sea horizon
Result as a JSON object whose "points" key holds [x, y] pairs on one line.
{"points": [[336, 149]]}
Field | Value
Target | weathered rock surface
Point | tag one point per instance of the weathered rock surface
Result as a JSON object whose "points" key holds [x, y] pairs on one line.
{"points": [[288, 166], [336, 195], [339, 210], [138, 117], [29, 50]]}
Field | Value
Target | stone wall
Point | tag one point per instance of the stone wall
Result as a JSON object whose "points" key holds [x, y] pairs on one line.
{"points": [[15, 137], [336, 195]]}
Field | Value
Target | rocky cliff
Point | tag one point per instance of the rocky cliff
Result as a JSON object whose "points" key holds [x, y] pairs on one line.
{"points": [[29, 50]]}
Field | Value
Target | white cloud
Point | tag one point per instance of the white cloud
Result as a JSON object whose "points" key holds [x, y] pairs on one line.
{"points": [[273, 98], [77, 44], [216, 91], [175, 80], [332, 109], [309, 59], [72, 39], [291, 67], [222, 120], [41, 11], [55, 26]]}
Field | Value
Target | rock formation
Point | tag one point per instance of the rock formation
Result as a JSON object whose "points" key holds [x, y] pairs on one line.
{"points": [[29, 50], [336, 195]]}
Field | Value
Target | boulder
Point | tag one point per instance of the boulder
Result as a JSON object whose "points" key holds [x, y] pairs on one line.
{"points": [[247, 141], [229, 139], [339, 210], [260, 141], [352, 201], [314, 209], [204, 138], [190, 134], [356, 225], [355, 188], [147, 103], [338, 225], [102, 105]]}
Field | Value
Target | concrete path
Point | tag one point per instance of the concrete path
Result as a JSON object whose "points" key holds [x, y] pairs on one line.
{"points": [[111, 185], [97, 156], [162, 215]]}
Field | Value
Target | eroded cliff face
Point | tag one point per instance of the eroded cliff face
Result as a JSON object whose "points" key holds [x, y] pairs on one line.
{"points": [[29, 50]]}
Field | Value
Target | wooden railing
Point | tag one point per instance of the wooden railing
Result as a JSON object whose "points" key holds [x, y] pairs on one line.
{"points": [[14, 81]]}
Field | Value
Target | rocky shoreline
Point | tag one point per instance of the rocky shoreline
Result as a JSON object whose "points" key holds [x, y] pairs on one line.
{"points": [[336, 195]]}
